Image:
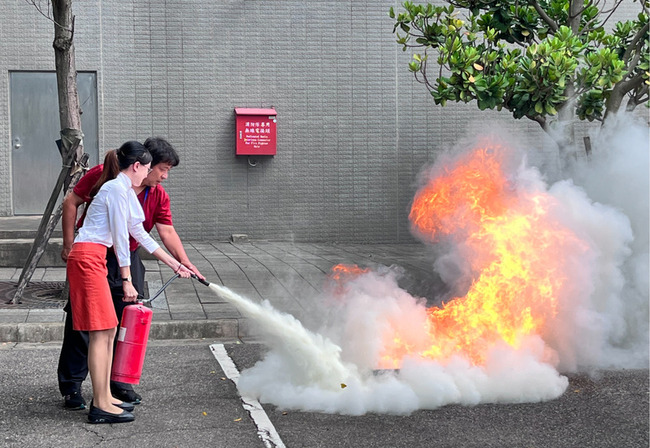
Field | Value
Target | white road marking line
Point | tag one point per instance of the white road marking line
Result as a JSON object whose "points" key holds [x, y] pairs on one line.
{"points": [[265, 429]]}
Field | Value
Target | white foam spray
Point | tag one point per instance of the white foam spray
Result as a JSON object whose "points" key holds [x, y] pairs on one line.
{"points": [[311, 358]]}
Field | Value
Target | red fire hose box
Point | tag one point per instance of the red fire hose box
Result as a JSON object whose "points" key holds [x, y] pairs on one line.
{"points": [[256, 131]]}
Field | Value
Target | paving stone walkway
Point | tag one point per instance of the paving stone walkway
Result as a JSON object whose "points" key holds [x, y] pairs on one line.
{"points": [[286, 274]]}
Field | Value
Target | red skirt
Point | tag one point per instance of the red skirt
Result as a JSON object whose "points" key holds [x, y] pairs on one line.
{"points": [[90, 296]]}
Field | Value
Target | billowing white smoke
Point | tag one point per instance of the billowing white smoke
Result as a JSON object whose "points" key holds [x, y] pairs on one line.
{"points": [[617, 175], [602, 319], [591, 309]]}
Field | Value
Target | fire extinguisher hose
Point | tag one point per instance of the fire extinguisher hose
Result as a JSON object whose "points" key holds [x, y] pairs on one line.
{"points": [[149, 300]]}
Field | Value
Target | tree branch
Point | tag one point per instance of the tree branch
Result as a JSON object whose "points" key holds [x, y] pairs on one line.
{"points": [[551, 24], [611, 11], [640, 97], [47, 15], [630, 84], [587, 28], [542, 122], [607, 11], [575, 10], [619, 91], [633, 63], [633, 44], [423, 69], [579, 13]]}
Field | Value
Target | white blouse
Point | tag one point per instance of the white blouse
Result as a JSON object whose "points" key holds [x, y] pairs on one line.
{"points": [[114, 213]]}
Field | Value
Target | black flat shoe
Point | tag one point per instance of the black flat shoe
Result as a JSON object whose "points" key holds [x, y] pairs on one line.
{"points": [[96, 415], [128, 407]]}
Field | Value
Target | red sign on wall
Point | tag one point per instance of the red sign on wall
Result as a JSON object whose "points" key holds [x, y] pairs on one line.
{"points": [[256, 131]]}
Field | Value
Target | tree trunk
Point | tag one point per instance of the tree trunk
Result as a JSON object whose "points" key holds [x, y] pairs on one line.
{"points": [[565, 126], [71, 136], [46, 227], [66, 70]]}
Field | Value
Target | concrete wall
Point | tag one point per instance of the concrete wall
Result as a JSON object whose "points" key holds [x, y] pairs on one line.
{"points": [[354, 129]]}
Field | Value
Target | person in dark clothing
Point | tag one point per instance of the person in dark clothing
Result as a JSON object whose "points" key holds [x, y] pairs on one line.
{"points": [[73, 360]]}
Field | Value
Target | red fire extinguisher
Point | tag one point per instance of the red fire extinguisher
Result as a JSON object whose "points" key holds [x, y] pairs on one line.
{"points": [[131, 344]]}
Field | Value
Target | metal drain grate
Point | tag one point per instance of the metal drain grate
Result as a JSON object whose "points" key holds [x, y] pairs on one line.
{"points": [[39, 295], [35, 295]]}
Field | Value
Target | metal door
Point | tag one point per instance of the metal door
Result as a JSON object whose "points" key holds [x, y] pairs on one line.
{"points": [[35, 127]]}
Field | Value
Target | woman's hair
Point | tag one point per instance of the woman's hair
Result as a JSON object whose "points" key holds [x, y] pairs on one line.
{"points": [[131, 152], [116, 160]]}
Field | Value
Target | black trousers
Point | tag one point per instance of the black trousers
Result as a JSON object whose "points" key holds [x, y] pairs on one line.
{"points": [[73, 360]]}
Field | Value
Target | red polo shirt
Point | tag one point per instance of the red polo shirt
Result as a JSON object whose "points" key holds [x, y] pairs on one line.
{"points": [[154, 201]]}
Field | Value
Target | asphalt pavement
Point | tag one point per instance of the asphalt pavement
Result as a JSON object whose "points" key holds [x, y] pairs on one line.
{"points": [[189, 402]]}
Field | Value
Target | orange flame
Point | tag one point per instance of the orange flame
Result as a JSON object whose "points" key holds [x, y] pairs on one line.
{"points": [[515, 252], [342, 272], [340, 275], [462, 198]]}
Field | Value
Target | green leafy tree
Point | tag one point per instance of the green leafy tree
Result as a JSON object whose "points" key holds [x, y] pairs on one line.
{"points": [[547, 60]]}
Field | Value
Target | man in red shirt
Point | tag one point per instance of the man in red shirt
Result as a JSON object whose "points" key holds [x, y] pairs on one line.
{"points": [[73, 361]]}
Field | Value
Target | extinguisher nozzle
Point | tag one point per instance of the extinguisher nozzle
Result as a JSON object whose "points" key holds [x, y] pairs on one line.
{"points": [[195, 277]]}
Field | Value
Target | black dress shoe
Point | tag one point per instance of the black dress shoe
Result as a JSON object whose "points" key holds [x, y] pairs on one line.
{"points": [[126, 395], [96, 415], [74, 401]]}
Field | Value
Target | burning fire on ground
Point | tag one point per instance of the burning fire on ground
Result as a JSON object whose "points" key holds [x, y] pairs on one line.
{"points": [[512, 244]]}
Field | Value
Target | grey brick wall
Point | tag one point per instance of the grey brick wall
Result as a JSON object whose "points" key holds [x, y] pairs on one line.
{"points": [[354, 129]]}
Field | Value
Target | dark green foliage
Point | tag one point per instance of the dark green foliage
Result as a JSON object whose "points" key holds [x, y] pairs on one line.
{"points": [[532, 58]]}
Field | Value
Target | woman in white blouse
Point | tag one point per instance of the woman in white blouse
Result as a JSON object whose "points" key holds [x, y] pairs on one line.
{"points": [[112, 215]]}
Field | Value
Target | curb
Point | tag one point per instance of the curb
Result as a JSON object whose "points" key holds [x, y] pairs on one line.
{"points": [[179, 329]]}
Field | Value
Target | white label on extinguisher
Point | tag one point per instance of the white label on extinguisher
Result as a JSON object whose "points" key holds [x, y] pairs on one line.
{"points": [[122, 335]]}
